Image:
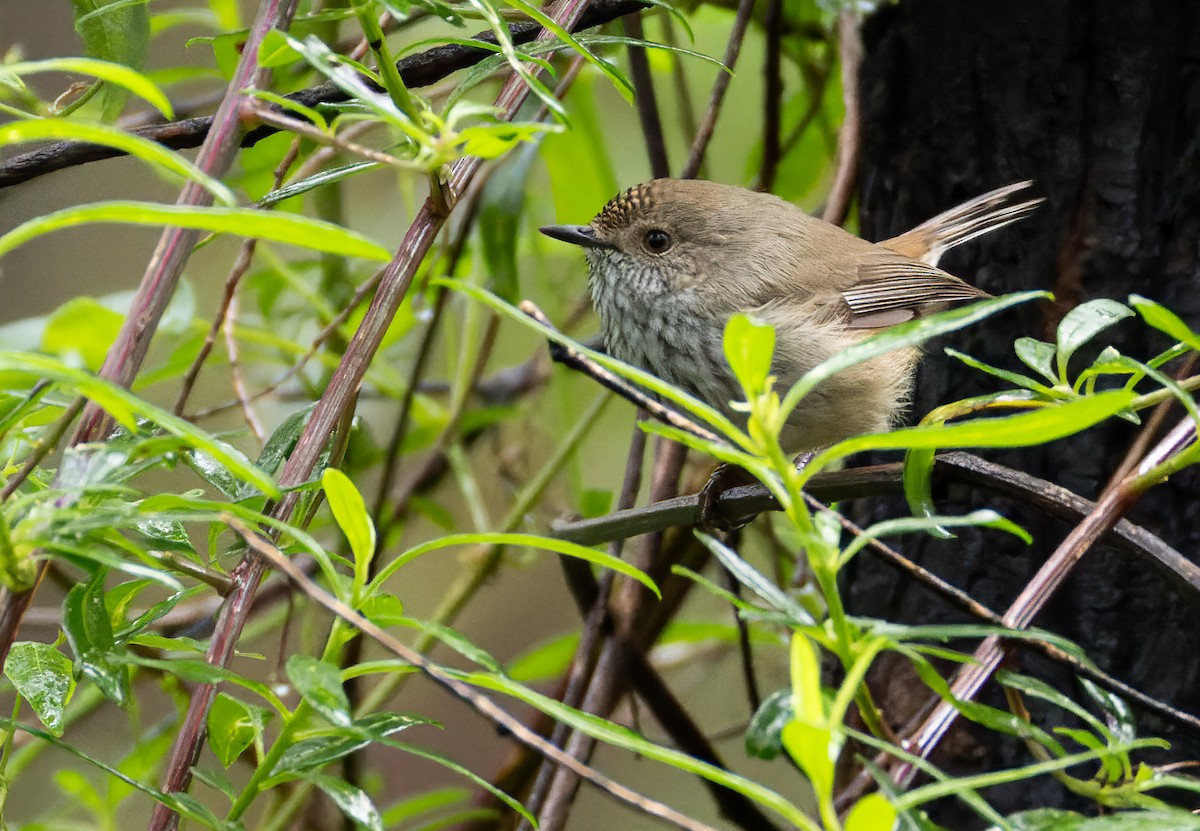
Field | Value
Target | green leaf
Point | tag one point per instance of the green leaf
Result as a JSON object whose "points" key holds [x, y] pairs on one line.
{"points": [[202, 672], [281, 442], [1038, 356], [42, 676], [117, 31], [1083, 323], [1165, 321], [82, 329], [233, 726], [317, 751], [568, 549], [985, 518], [901, 336], [609, 733], [764, 736], [89, 633], [350, 513], [1014, 378], [872, 813], [753, 579], [400, 9], [808, 705], [1022, 430], [383, 610], [810, 746], [275, 52], [128, 409], [112, 73], [320, 684], [499, 217], [247, 222], [317, 180], [18, 565], [351, 801], [749, 346], [545, 661], [151, 152], [1052, 819]]}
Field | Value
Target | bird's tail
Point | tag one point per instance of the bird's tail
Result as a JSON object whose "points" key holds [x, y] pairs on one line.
{"points": [[933, 238]]}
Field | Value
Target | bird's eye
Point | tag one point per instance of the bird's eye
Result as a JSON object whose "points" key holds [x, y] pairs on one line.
{"points": [[657, 241]]}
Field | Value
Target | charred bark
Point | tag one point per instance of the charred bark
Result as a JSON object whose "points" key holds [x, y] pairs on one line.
{"points": [[1099, 103]]}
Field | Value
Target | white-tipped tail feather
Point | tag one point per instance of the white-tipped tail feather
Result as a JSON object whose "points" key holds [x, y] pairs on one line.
{"points": [[983, 214]]}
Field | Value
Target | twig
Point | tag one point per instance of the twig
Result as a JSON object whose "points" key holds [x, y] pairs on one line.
{"points": [[772, 95], [235, 373], [647, 101], [459, 689], [240, 266], [708, 121], [850, 136], [265, 114], [578, 361]]}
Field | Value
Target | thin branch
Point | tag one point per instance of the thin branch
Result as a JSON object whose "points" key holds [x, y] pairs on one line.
{"points": [[708, 122], [667, 710], [578, 361], [266, 115], [850, 136], [596, 622], [772, 95], [647, 101]]}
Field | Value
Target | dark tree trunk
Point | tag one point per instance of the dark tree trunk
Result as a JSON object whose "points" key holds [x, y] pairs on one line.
{"points": [[1098, 101]]}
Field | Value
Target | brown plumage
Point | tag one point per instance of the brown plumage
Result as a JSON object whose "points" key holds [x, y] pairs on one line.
{"points": [[671, 260]]}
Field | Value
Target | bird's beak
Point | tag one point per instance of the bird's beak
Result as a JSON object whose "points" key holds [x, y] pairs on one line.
{"points": [[582, 235]]}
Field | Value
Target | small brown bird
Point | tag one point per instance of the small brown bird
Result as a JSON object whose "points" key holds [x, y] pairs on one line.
{"points": [[670, 261]]}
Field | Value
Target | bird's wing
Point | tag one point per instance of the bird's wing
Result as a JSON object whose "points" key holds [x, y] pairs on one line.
{"points": [[893, 289]]}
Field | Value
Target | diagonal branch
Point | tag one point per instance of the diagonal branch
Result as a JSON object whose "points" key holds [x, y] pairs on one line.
{"points": [[330, 411], [1106, 514]]}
